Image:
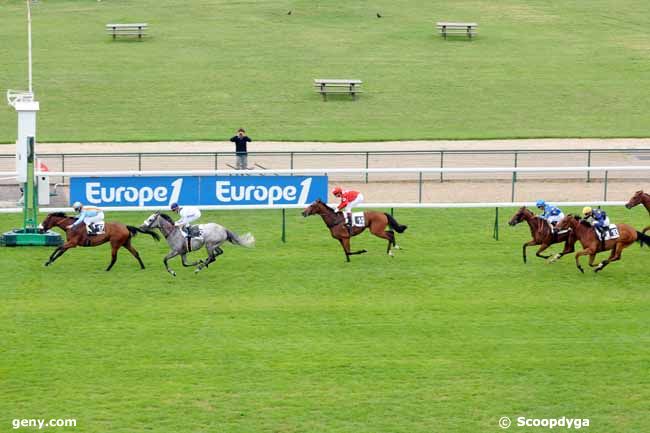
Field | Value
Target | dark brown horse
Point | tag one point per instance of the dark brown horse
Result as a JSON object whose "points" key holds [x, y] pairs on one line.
{"points": [[118, 234], [375, 221], [586, 234], [542, 234], [643, 198]]}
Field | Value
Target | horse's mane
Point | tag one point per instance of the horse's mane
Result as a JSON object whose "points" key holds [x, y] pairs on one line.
{"points": [[59, 214], [324, 204], [167, 218]]}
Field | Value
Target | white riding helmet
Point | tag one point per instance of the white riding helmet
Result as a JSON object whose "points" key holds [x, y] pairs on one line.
{"points": [[77, 206]]}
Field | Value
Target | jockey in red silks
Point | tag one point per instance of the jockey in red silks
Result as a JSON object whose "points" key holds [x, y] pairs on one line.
{"points": [[348, 200]]}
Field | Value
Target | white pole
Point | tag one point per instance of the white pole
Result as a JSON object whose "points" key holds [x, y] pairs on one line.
{"points": [[29, 44]]}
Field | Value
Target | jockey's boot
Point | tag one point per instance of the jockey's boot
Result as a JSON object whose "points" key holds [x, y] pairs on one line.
{"points": [[188, 237], [349, 223], [601, 233]]}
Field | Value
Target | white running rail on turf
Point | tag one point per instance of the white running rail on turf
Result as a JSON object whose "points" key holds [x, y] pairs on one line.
{"points": [[364, 205]]}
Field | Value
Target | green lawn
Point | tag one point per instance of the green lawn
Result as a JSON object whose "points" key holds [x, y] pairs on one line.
{"points": [[538, 69], [448, 336]]}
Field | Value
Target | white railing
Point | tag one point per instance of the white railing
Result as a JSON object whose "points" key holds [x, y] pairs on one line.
{"points": [[489, 205]]}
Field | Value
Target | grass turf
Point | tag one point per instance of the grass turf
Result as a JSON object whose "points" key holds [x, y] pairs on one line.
{"points": [[450, 335], [537, 69]]}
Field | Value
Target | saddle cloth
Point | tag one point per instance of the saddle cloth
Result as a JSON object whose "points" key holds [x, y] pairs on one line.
{"points": [[98, 229], [610, 233], [358, 219]]}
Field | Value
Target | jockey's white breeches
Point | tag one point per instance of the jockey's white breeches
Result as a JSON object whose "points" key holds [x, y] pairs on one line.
{"points": [[94, 219], [355, 202], [554, 219]]}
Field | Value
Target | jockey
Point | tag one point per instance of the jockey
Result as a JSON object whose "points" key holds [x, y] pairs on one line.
{"points": [[89, 215], [550, 213], [188, 214], [348, 200], [597, 218]]}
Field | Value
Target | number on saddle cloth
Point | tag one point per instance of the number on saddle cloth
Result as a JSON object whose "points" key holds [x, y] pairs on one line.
{"points": [[610, 232], [95, 228], [358, 219]]}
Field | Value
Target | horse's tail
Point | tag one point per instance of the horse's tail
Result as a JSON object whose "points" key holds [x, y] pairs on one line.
{"points": [[394, 224], [135, 230], [246, 240], [643, 239]]}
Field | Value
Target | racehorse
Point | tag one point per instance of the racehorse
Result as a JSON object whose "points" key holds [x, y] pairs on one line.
{"points": [[375, 221], [212, 236], [585, 233], [542, 234], [640, 197], [118, 234]]}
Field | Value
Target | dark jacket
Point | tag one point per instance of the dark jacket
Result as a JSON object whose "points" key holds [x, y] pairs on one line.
{"points": [[240, 143]]}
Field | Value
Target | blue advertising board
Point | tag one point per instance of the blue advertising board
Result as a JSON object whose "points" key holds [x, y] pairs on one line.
{"points": [[197, 190]]}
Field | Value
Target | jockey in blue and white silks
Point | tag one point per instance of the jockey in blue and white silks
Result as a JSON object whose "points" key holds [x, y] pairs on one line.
{"points": [[597, 218], [87, 214], [550, 213]]}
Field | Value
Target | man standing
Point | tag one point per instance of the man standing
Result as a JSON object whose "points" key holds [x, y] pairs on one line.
{"points": [[240, 141]]}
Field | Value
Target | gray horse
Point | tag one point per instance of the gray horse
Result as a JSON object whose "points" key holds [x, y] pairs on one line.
{"points": [[212, 236]]}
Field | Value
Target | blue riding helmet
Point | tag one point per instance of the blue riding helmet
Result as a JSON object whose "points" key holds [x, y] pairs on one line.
{"points": [[540, 203], [174, 206]]}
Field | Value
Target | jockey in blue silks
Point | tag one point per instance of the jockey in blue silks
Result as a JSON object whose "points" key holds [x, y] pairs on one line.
{"points": [[597, 218], [550, 213], [89, 215]]}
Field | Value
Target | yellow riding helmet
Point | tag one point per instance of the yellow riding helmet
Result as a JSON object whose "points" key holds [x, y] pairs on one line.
{"points": [[586, 210]]}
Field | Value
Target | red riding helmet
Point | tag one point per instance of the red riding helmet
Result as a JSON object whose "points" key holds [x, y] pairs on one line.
{"points": [[337, 190]]}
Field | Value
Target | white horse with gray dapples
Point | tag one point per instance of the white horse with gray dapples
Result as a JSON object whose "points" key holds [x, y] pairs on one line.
{"points": [[211, 235]]}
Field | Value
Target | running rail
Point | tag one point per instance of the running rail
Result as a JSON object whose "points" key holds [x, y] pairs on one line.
{"points": [[364, 205]]}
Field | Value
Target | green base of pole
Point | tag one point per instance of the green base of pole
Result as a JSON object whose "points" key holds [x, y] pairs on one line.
{"points": [[30, 237]]}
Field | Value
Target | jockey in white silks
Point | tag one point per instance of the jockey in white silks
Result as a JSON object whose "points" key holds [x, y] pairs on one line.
{"points": [[89, 215], [187, 214]]}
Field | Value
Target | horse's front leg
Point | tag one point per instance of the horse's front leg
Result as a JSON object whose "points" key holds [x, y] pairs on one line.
{"points": [[527, 244], [345, 243], [59, 252], [53, 256], [583, 253], [171, 254]]}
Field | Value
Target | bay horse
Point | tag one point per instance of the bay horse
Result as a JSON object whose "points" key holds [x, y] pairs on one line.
{"points": [[375, 221], [118, 234], [542, 234], [643, 198], [591, 245]]}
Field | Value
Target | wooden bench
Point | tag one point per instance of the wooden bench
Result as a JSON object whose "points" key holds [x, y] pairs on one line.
{"points": [[137, 29], [457, 29], [328, 85]]}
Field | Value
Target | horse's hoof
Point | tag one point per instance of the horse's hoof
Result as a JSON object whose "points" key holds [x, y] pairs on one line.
{"points": [[46, 264], [391, 254], [581, 270], [173, 274], [397, 247]]}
